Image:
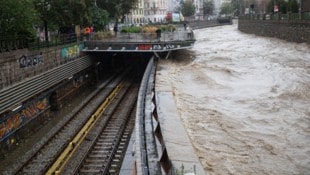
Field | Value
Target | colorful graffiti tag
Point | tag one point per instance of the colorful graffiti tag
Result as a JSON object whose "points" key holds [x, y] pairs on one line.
{"points": [[11, 124], [71, 52]]}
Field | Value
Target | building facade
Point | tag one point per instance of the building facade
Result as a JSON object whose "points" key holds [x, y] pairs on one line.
{"points": [[149, 11], [136, 16], [155, 11]]}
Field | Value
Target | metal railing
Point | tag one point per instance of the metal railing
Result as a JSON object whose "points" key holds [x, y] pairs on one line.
{"points": [[9, 43], [178, 35], [54, 40], [277, 16], [142, 157]]}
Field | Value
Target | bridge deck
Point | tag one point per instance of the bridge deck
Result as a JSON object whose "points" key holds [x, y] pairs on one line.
{"points": [[141, 42]]}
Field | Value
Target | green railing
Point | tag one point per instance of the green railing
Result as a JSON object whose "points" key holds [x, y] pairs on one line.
{"points": [[278, 16]]}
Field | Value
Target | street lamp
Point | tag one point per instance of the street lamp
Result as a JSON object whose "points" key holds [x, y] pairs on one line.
{"points": [[300, 8], [44, 6]]}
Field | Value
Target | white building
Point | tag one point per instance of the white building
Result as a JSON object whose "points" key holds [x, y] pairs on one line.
{"points": [[199, 7], [155, 10], [218, 4], [137, 15], [172, 5]]}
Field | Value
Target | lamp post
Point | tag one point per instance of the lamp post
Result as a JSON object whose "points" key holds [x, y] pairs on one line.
{"points": [[44, 7], [300, 8]]}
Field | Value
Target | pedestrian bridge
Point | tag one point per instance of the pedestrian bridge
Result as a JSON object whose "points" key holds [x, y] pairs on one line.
{"points": [[140, 42]]}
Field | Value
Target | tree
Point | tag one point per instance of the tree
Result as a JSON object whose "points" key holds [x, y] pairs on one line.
{"points": [[117, 8], [226, 9], [69, 13], [293, 6], [100, 18], [284, 7], [208, 7], [187, 8], [24, 16], [17, 18], [237, 7], [43, 7]]}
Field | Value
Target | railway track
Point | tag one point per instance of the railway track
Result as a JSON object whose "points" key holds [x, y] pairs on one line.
{"points": [[40, 161], [104, 149]]}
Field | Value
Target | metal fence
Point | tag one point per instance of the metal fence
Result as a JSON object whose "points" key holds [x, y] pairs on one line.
{"points": [[178, 35], [55, 40], [9, 43], [278, 16]]}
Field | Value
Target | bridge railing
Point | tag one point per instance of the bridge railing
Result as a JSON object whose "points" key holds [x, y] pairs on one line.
{"points": [[179, 35]]}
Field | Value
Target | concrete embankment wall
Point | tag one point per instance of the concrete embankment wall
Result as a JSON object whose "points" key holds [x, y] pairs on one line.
{"points": [[294, 31]]}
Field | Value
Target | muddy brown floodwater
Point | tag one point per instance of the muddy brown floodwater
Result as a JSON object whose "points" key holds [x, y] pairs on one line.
{"points": [[245, 102]]}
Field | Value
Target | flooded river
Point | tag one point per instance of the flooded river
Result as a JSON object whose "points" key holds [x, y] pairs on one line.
{"points": [[245, 102]]}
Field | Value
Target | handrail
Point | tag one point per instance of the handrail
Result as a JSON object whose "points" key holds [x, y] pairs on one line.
{"points": [[142, 157], [14, 42]]}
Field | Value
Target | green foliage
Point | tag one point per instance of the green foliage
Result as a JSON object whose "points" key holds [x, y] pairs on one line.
{"points": [[187, 8], [237, 6], [17, 17], [148, 28], [284, 7], [117, 8], [293, 6], [134, 29], [99, 18], [25, 16], [226, 9], [208, 7], [69, 13], [167, 28]]}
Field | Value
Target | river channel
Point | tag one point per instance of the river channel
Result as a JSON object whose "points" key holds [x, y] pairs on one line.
{"points": [[244, 101]]}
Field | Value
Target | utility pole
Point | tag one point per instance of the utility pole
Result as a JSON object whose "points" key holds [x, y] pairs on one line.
{"points": [[300, 8]]}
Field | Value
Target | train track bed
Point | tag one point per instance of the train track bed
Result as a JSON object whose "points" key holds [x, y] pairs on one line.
{"points": [[42, 155], [105, 146]]}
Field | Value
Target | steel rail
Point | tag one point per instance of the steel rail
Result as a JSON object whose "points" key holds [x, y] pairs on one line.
{"points": [[70, 149], [110, 135]]}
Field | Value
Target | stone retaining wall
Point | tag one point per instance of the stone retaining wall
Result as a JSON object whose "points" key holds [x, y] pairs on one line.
{"points": [[293, 31], [18, 65], [206, 24]]}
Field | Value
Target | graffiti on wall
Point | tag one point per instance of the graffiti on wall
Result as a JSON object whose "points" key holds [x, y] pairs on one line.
{"points": [[11, 124], [71, 52], [30, 61]]}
